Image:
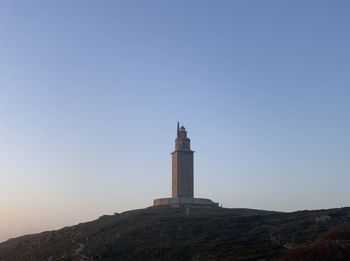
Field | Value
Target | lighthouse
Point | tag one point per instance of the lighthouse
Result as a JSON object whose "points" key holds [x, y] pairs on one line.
{"points": [[182, 176]]}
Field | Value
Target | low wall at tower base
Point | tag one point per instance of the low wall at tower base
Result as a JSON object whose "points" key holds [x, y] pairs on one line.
{"points": [[186, 202]]}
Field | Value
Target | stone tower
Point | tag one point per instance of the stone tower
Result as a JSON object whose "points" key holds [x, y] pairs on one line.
{"points": [[182, 166], [182, 177]]}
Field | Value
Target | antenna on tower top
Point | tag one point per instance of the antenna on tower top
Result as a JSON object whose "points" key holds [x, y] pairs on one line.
{"points": [[178, 129]]}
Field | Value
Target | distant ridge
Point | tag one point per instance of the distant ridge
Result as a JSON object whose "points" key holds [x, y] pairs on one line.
{"points": [[160, 233]]}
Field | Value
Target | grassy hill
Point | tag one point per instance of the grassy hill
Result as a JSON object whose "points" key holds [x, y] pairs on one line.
{"points": [[159, 233]]}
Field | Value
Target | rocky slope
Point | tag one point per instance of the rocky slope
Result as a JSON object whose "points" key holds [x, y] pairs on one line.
{"points": [[178, 234]]}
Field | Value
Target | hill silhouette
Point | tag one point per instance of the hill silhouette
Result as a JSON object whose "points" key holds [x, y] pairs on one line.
{"points": [[160, 233]]}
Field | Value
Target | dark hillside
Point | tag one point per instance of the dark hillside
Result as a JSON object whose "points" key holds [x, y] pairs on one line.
{"points": [[178, 234], [334, 245]]}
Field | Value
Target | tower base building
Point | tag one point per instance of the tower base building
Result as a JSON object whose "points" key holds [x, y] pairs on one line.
{"points": [[185, 202], [182, 176]]}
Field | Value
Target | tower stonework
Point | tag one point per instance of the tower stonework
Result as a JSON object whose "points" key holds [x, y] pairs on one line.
{"points": [[182, 166], [182, 177]]}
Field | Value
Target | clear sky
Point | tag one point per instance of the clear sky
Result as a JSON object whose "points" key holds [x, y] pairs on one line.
{"points": [[90, 93]]}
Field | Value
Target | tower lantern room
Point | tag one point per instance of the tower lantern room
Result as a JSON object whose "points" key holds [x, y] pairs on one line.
{"points": [[182, 142]]}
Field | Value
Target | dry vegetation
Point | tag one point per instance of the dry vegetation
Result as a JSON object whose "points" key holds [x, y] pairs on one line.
{"points": [[334, 245]]}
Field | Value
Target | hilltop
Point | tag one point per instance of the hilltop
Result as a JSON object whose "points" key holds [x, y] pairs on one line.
{"points": [[160, 233]]}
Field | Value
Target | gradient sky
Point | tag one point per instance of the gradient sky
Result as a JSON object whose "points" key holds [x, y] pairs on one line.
{"points": [[90, 93]]}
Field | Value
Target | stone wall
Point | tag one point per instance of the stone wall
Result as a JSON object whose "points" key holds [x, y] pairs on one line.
{"points": [[182, 174]]}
